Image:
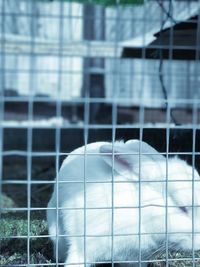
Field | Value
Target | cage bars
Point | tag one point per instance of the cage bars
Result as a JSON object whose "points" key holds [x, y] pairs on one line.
{"points": [[114, 126], [2, 82], [141, 123], [29, 131], [86, 97], [169, 118], [58, 130], [194, 129]]}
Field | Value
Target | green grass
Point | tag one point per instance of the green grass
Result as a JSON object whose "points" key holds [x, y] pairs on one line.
{"points": [[14, 250], [176, 259], [14, 236], [15, 224], [21, 258]]}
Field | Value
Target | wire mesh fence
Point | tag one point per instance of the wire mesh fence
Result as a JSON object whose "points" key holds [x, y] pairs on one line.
{"points": [[119, 85]]}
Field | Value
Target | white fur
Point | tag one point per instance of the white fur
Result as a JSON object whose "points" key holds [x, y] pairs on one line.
{"points": [[113, 208]]}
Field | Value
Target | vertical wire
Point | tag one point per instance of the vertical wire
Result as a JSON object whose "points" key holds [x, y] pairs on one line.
{"points": [[141, 129], [166, 183], [2, 86], [30, 130], [194, 129], [58, 115], [114, 125], [114, 122], [169, 116], [86, 137], [194, 124], [141, 123], [86, 118]]}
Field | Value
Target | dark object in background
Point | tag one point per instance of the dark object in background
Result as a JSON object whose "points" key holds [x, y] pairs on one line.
{"points": [[182, 40]]}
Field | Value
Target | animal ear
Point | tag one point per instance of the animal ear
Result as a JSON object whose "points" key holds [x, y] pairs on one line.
{"points": [[117, 157], [142, 147], [135, 158]]}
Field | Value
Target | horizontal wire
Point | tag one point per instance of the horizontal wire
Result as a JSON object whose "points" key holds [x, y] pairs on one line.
{"points": [[127, 100], [93, 235], [94, 44], [129, 181], [89, 17], [46, 154], [32, 124], [106, 262], [92, 208]]}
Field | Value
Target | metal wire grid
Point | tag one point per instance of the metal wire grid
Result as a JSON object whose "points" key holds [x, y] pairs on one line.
{"points": [[86, 127]]}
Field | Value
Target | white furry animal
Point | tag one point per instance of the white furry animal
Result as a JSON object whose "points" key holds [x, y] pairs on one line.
{"points": [[123, 188]]}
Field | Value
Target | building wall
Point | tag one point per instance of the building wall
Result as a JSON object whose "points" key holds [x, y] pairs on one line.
{"points": [[63, 76]]}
